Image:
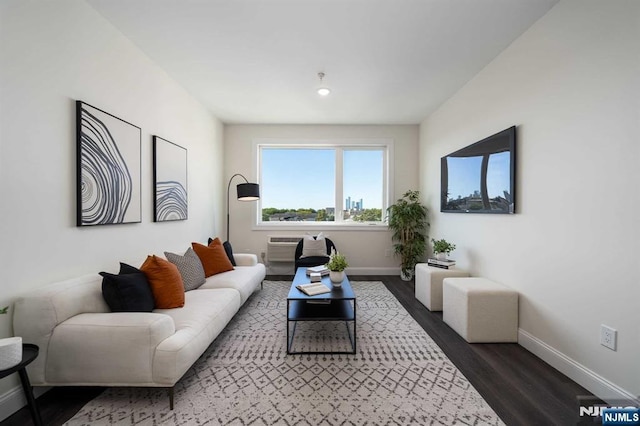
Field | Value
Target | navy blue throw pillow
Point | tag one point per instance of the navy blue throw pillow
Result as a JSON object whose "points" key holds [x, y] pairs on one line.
{"points": [[128, 269], [128, 291]]}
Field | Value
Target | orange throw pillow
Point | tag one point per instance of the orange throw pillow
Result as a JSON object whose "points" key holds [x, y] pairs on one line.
{"points": [[213, 257], [165, 281]]}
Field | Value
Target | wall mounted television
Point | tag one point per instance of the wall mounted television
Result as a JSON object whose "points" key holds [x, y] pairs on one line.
{"points": [[481, 177]]}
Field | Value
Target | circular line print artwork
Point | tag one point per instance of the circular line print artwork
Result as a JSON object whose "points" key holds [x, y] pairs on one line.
{"points": [[170, 181], [108, 168]]}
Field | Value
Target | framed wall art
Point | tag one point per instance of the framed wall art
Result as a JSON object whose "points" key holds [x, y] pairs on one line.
{"points": [[108, 168], [170, 181]]}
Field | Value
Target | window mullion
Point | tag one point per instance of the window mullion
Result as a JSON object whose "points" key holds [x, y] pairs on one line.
{"points": [[385, 181], [339, 215]]}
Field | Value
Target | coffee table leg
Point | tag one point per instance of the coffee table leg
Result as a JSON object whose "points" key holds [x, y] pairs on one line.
{"points": [[352, 338], [346, 323], [28, 393], [355, 326], [290, 339], [293, 333]]}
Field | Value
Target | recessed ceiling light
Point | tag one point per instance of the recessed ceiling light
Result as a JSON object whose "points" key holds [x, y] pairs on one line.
{"points": [[322, 90]]}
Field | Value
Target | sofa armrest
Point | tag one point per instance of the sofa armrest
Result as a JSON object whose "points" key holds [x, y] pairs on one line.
{"points": [[106, 348], [245, 259], [37, 313]]}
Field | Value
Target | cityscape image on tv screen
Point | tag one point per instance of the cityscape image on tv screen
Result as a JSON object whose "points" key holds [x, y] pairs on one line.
{"points": [[479, 178]]}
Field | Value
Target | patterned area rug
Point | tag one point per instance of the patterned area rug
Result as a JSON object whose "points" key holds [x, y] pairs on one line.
{"points": [[399, 376]]}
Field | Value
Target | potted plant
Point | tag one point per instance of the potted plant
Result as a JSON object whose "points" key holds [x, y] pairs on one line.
{"points": [[10, 349], [407, 219], [336, 265], [442, 248]]}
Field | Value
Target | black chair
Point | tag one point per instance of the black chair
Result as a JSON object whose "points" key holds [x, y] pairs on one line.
{"points": [[312, 260]]}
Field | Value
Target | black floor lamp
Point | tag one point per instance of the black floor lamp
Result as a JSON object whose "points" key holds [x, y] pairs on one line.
{"points": [[246, 192]]}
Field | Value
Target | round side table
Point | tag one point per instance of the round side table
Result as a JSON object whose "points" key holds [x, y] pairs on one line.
{"points": [[29, 353]]}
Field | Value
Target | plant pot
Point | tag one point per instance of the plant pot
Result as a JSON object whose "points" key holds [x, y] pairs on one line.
{"points": [[406, 276], [441, 256], [336, 278], [10, 352]]}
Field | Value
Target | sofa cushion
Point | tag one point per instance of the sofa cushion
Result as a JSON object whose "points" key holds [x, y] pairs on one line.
{"points": [[245, 279], [128, 291], [204, 315], [166, 283], [190, 268], [213, 257]]}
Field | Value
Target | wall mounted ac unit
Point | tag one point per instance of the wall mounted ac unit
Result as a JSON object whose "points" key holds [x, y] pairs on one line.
{"points": [[281, 249]]}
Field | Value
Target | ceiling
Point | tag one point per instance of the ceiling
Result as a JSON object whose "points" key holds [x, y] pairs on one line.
{"points": [[386, 61]]}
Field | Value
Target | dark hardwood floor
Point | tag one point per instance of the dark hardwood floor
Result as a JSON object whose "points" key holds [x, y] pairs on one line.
{"points": [[521, 388]]}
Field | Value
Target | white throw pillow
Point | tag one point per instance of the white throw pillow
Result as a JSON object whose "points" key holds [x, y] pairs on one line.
{"points": [[314, 246]]}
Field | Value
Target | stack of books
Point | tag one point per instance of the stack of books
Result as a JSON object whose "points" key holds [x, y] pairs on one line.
{"points": [[322, 270], [444, 264]]}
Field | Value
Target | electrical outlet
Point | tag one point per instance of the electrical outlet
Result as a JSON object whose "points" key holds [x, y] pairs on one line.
{"points": [[608, 337]]}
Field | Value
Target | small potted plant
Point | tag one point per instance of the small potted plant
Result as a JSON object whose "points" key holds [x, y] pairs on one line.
{"points": [[336, 265], [442, 248], [10, 348]]}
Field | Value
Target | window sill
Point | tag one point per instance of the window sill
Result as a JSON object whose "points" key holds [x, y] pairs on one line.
{"points": [[321, 226]]}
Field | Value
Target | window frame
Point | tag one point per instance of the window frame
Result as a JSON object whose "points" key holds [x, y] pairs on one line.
{"points": [[340, 145]]}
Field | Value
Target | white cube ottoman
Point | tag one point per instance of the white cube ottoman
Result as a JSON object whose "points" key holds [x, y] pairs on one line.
{"points": [[480, 310], [429, 284]]}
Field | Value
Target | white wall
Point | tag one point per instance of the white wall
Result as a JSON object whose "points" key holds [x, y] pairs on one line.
{"points": [[51, 54], [365, 250], [571, 84]]}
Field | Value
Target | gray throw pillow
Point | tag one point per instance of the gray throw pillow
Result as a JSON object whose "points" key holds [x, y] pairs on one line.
{"points": [[190, 268]]}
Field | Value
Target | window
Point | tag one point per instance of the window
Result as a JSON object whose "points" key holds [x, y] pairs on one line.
{"points": [[323, 183]]}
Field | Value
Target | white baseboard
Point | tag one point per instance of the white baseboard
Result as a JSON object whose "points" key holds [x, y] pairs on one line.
{"points": [[14, 399], [287, 269], [373, 271], [593, 382]]}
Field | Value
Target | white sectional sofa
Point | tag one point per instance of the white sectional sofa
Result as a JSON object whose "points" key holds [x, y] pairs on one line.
{"points": [[83, 343]]}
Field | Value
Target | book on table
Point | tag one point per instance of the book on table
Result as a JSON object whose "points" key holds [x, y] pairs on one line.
{"points": [[435, 265], [446, 264], [312, 289], [321, 269]]}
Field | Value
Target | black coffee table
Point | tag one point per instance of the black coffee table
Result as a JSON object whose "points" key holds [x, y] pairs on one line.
{"points": [[339, 305]]}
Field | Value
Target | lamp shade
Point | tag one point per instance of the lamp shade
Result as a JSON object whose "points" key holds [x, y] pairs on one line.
{"points": [[248, 191]]}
